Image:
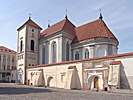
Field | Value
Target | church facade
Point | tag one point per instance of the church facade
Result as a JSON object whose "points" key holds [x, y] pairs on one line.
{"points": [[70, 57]]}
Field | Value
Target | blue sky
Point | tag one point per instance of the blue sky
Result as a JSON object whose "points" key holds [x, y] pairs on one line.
{"points": [[118, 15]]}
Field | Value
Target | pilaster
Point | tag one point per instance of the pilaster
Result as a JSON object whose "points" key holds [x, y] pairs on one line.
{"points": [[47, 52], [63, 49], [92, 51], [80, 53], [60, 57]]}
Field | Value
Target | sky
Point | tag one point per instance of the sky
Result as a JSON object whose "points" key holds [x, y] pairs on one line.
{"points": [[117, 14]]}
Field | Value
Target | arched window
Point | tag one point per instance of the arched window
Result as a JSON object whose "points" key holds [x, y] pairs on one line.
{"points": [[53, 52], [21, 45], [43, 55], [67, 52], [76, 56], [32, 45], [101, 51], [86, 54]]}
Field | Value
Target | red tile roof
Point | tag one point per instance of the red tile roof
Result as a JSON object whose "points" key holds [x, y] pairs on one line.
{"points": [[95, 29], [65, 25], [71, 67], [40, 69], [30, 22], [115, 63], [81, 60], [2, 48]]}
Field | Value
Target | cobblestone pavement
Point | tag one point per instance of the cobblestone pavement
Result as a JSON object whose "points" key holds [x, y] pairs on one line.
{"points": [[9, 91]]}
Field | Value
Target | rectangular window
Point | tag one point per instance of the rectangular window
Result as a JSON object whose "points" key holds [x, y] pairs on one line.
{"points": [[13, 61], [63, 77], [4, 62], [8, 62]]}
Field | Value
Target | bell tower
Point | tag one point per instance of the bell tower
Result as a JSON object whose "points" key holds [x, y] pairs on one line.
{"points": [[27, 47]]}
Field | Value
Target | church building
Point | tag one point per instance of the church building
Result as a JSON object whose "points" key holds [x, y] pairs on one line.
{"points": [[70, 57]]}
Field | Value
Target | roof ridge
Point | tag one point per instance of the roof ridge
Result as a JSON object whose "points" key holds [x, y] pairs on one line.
{"points": [[64, 23], [110, 31], [69, 22]]}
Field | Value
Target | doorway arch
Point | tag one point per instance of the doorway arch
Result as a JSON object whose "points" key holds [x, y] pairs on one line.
{"points": [[95, 81], [50, 82]]}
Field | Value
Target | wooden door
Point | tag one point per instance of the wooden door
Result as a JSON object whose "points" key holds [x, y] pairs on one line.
{"points": [[96, 82], [28, 82]]}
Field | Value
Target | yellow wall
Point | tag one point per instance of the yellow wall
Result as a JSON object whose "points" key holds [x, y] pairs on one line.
{"points": [[11, 67]]}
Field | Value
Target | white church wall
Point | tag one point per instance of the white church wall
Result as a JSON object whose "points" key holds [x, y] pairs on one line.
{"points": [[56, 72], [20, 63], [21, 36], [126, 73]]}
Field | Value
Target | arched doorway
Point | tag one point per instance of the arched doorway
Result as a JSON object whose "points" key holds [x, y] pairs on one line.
{"points": [[20, 75], [50, 82], [96, 83], [20, 78]]}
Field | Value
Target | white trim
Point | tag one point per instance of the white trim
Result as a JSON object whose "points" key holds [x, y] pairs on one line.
{"points": [[88, 44], [35, 70], [96, 69]]}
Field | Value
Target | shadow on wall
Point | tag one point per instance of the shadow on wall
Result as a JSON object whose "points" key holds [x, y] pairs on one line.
{"points": [[124, 84], [49, 80], [43, 79], [75, 80], [14, 91]]}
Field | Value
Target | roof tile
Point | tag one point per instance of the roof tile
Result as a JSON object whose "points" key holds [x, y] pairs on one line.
{"points": [[65, 25], [95, 29], [6, 49]]}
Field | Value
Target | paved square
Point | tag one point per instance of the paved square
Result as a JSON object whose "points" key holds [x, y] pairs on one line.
{"points": [[9, 91]]}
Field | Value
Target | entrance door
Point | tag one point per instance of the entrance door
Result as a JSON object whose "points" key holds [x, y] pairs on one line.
{"points": [[28, 82], [96, 82], [50, 82]]}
